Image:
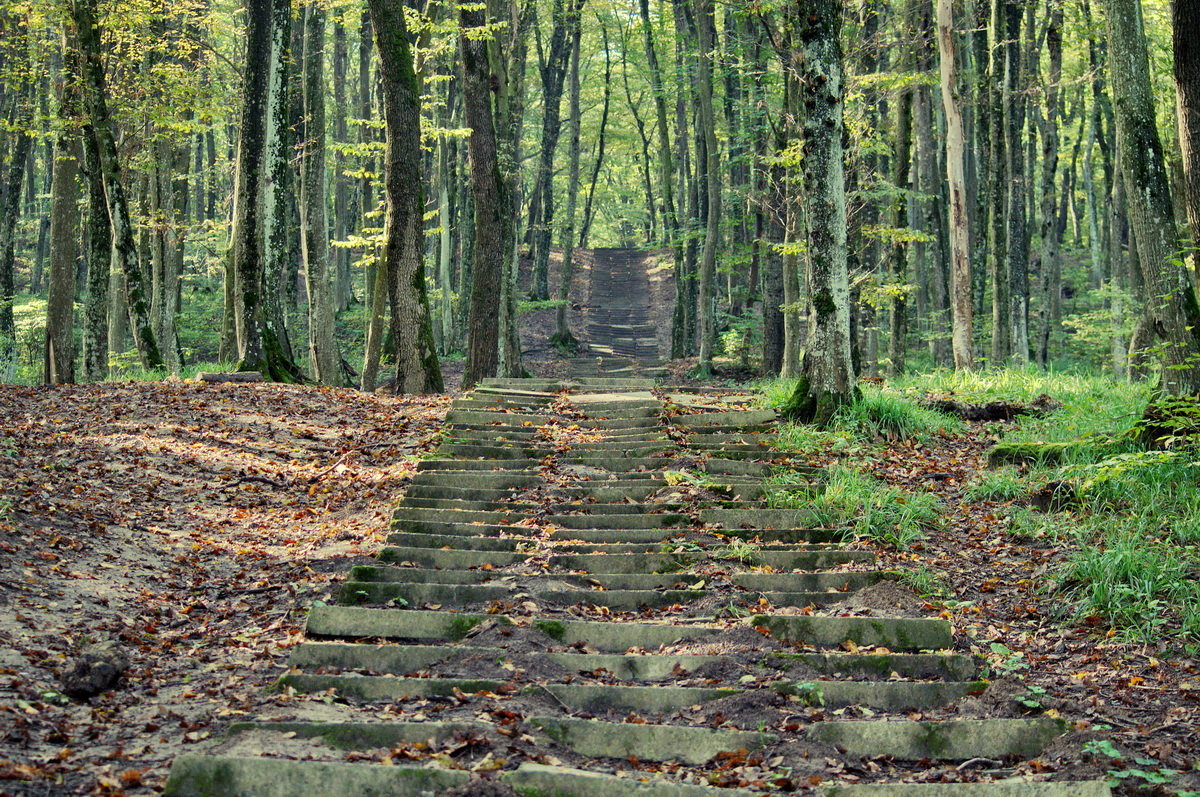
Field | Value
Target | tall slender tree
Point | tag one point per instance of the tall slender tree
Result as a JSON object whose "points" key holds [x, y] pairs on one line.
{"points": [[417, 369]]}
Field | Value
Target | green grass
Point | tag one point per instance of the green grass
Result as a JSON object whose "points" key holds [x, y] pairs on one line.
{"points": [[1133, 530], [881, 413], [1000, 484], [868, 508], [925, 582], [1140, 585]]}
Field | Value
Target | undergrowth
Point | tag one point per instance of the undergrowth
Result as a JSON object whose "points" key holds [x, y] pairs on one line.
{"points": [[866, 507], [1127, 518]]}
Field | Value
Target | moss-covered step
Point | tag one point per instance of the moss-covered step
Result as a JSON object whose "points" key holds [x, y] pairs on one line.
{"points": [[836, 583], [362, 735], [646, 742], [895, 633], [881, 695], [499, 504], [948, 740], [759, 518], [945, 666], [457, 560], [236, 776], [539, 780], [477, 464], [486, 480], [400, 659], [499, 451], [510, 418], [355, 621], [464, 595], [352, 621], [388, 687], [729, 418], [595, 699], [994, 788], [666, 563]]}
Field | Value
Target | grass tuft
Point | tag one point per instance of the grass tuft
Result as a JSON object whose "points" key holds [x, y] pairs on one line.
{"points": [[868, 508]]}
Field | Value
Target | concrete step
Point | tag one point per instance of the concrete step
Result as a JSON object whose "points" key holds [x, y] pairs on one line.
{"points": [[905, 634], [947, 740], [409, 658], [460, 596], [647, 742], [230, 776]]}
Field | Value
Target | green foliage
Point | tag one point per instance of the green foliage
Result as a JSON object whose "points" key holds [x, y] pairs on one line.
{"points": [[880, 413], [925, 582], [1002, 484], [1137, 584], [868, 508]]}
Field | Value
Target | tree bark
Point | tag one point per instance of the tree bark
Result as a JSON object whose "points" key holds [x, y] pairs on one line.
{"points": [[417, 369], [323, 351], [1050, 269], [254, 212], [492, 203], [562, 332], [1171, 298], [705, 300], [1016, 228], [1186, 45], [10, 191], [962, 304], [59, 363], [553, 72], [898, 257], [827, 378], [97, 342]]}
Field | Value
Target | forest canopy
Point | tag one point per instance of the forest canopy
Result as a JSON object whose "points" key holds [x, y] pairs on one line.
{"points": [[355, 193]]}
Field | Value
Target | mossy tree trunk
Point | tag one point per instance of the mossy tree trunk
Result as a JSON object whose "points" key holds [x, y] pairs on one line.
{"points": [[95, 93], [827, 373], [1170, 297], [417, 369]]}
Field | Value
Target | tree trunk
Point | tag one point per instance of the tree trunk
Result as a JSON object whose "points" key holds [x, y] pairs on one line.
{"points": [[95, 93], [417, 369], [343, 289], [706, 304], [1184, 16], [997, 192], [962, 304], [898, 258], [562, 332], [323, 351], [1172, 306], [10, 194], [255, 211], [1047, 315], [491, 204], [827, 378], [553, 73], [601, 139], [64, 228], [97, 340], [1016, 231]]}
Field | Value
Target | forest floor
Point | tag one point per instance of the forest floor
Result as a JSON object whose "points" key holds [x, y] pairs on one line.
{"points": [[189, 523], [192, 524]]}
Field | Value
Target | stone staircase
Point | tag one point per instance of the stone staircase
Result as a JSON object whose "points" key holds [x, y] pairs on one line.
{"points": [[585, 593], [619, 319]]}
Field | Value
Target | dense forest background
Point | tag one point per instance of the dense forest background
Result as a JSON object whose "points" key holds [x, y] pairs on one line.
{"points": [[198, 182]]}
